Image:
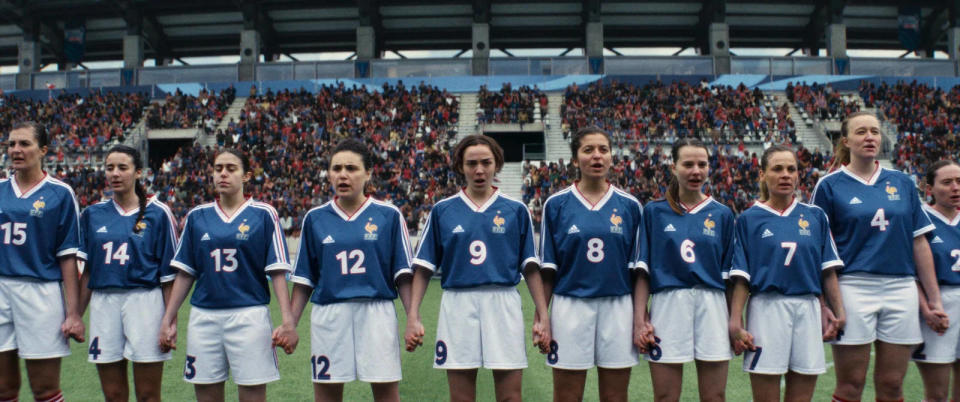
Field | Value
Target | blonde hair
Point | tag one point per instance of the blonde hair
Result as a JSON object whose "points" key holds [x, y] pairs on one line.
{"points": [[841, 153]]}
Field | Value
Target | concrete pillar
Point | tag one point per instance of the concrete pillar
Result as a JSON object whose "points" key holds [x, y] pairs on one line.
{"points": [[28, 58], [249, 55], [594, 39], [132, 51], [719, 38], [481, 49], [366, 43], [837, 40], [953, 42]]}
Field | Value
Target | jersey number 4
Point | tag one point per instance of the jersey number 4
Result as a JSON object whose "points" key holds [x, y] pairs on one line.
{"points": [[879, 221]]}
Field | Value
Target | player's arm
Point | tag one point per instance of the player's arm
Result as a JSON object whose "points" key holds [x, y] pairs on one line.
{"points": [[413, 336], [285, 335], [932, 320], [85, 292], [740, 339], [405, 289], [73, 323], [541, 318], [923, 258], [168, 324], [831, 304]]}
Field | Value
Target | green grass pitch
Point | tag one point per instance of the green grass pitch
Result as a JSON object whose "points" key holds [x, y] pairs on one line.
{"points": [[420, 381]]}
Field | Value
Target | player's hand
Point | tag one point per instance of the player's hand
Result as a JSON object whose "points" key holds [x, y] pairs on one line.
{"points": [[936, 319], [541, 331], [413, 336], [830, 324], [286, 337], [72, 327], [168, 337], [740, 339], [643, 337]]}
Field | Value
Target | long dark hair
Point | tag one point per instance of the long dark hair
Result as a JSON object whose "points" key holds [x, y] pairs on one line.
{"points": [[673, 190], [137, 185], [577, 138]]}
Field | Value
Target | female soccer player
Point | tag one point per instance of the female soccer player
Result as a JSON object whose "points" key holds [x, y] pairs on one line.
{"points": [[39, 229], [229, 247], [685, 248], [480, 240], [353, 257], [588, 248], [938, 353], [128, 243], [784, 258], [878, 224]]}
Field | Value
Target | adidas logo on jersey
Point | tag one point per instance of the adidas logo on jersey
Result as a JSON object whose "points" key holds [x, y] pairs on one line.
{"points": [[855, 200], [328, 240], [458, 229], [766, 233], [206, 236], [103, 229], [573, 229], [669, 228], [936, 239]]}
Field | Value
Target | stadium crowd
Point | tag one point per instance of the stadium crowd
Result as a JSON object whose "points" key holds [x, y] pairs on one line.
{"points": [[665, 112], [510, 105], [185, 111], [820, 101]]}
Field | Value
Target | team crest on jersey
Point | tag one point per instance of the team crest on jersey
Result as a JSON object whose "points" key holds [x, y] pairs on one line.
{"points": [[243, 230], [616, 220], [371, 229], [498, 221], [892, 193], [708, 225], [804, 225], [141, 228], [38, 206]]}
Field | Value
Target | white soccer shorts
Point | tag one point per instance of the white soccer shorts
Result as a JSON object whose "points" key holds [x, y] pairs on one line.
{"points": [[690, 324], [125, 324], [31, 313], [590, 332], [788, 335], [880, 307], [480, 327], [231, 340], [354, 340]]}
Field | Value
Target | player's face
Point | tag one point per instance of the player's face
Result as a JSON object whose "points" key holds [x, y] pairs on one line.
{"points": [[121, 172], [23, 150], [781, 174], [228, 174], [946, 186], [863, 137], [347, 174], [692, 168], [479, 167], [593, 157]]}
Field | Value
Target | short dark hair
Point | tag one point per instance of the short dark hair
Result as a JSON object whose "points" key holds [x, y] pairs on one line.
{"points": [[476, 139], [583, 132], [244, 159], [357, 147]]}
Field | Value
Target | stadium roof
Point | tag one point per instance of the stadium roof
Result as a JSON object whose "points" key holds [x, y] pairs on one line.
{"points": [[181, 28]]}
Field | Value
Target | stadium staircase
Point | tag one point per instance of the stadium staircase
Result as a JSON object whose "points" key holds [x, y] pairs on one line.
{"points": [[468, 115], [810, 135], [233, 113], [510, 180], [556, 146]]}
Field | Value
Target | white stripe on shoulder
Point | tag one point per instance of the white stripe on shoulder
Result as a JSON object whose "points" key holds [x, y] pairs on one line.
{"points": [[558, 194], [385, 204], [822, 179], [448, 199]]}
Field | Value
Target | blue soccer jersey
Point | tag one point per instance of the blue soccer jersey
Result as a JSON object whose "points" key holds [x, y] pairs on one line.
{"points": [[683, 251], [345, 257], [475, 245], [230, 255], [116, 257], [945, 245], [37, 225], [873, 221], [592, 247], [784, 251]]}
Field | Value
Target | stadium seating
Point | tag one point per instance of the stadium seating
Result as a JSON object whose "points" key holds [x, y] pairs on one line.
{"points": [[510, 105]]}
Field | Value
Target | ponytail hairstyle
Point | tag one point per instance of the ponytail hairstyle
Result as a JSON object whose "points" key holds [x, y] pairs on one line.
{"points": [[764, 164], [577, 138], [138, 187], [841, 153], [931, 175], [673, 190]]}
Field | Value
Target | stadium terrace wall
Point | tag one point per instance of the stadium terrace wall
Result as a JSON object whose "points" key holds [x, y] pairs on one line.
{"points": [[473, 83]]}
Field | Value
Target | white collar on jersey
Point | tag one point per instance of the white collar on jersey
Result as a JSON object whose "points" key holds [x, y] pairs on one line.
{"points": [[31, 190], [873, 178], [785, 212], [586, 203], [124, 212], [229, 219], [479, 208], [350, 217], [698, 206], [933, 211]]}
